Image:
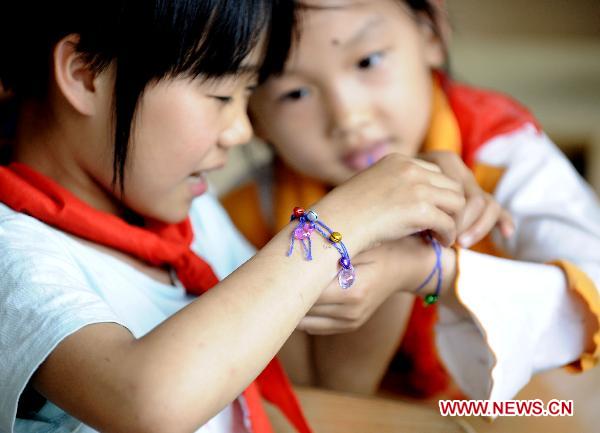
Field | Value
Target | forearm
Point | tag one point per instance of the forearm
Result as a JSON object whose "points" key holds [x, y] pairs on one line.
{"points": [[248, 317]]}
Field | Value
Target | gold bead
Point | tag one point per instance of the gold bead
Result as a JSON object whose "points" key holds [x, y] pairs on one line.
{"points": [[335, 237]]}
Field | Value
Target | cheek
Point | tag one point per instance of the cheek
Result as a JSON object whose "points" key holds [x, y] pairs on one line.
{"points": [[175, 141], [315, 158], [407, 102], [300, 138], [296, 148]]}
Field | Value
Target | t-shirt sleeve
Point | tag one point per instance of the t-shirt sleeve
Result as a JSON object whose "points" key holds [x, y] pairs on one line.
{"points": [[44, 298]]}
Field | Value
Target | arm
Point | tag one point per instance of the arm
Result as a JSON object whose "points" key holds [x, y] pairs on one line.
{"points": [[556, 218], [189, 367]]}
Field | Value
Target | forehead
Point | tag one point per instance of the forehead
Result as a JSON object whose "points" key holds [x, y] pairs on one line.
{"points": [[337, 25]]}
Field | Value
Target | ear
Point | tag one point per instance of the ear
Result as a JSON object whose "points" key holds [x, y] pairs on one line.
{"points": [[74, 77], [435, 35]]}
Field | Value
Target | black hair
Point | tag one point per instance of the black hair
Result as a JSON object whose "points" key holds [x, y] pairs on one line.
{"points": [[145, 40], [434, 16]]}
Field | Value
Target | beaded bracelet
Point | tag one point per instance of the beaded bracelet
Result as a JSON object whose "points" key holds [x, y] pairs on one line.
{"points": [[308, 222], [432, 298]]}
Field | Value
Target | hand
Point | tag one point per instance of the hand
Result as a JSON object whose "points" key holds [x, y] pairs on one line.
{"points": [[396, 197], [482, 212], [381, 272]]}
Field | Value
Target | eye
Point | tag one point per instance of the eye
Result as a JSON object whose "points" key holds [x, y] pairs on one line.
{"points": [[371, 61], [295, 95], [223, 99]]}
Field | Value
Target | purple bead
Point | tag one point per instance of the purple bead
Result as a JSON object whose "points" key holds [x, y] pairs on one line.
{"points": [[308, 228], [303, 232], [346, 278], [345, 262], [299, 233]]}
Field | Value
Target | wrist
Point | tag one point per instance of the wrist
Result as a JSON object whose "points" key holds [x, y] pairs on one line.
{"points": [[423, 263], [353, 231], [435, 279], [450, 270]]}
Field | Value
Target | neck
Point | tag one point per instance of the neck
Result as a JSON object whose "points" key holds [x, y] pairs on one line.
{"points": [[48, 145]]}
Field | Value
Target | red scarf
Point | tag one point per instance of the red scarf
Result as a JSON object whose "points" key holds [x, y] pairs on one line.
{"points": [[26, 191]]}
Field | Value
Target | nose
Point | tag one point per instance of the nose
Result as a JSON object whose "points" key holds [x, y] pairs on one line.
{"points": [[349, 112], [238, 130]]}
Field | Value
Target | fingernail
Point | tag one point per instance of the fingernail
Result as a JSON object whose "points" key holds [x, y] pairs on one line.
{"points": [[508, 230], [465, 241]]}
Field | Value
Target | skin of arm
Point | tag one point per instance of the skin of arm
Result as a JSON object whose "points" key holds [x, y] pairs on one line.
{"points": [[187, 369]]}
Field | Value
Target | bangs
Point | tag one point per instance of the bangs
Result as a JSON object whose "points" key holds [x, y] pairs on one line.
{"points": [[209, 38]]}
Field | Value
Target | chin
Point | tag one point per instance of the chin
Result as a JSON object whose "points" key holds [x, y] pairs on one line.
{"points": [[173, 215]]}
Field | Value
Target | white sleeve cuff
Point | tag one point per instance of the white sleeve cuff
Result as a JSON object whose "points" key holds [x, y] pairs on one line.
{"points": [[523, 319]]}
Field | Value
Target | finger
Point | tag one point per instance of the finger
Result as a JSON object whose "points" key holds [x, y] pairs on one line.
{"points": [[324, 326], [506, 224], [485, 224], [333, 294], [450, 168], [332, 311], [439, 222], [440, 180], [427, 165], [427, 172], [453, 167], [451, 202], [471, 213]]}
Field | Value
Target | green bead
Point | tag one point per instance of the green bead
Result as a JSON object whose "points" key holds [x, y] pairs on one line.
{"points": [[431, 299]]}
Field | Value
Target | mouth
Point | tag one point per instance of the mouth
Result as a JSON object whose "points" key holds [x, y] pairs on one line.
{"points": [[198, 182], [368, 154]]}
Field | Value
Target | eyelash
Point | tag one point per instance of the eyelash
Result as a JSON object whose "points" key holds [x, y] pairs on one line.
{"points": [[223, 99], [363, 65], [294, 95], [228, 99]]}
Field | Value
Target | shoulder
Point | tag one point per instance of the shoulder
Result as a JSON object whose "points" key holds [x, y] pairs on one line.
{"points": [[483, 115], [27, 244], [39, 264], [44, 297], [525, 145]]}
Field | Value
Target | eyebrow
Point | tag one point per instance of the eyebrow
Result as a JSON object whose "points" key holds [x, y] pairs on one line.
{"points": [[361, 32]]}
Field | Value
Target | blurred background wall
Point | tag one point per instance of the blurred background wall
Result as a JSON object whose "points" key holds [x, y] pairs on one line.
{"points": [[545, 53]]}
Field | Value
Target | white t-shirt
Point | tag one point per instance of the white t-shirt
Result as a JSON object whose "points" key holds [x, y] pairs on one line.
{"points": [[52, 285]]}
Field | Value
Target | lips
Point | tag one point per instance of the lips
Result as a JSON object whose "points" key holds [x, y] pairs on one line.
{"points": [[197, 179], [370, 154], [198, 184]]}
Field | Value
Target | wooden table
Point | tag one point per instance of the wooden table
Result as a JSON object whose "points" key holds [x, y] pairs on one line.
{"points": [[330, 412]]}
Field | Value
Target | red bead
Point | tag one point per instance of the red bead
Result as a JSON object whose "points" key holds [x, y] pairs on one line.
{"points": [[298, 212]]}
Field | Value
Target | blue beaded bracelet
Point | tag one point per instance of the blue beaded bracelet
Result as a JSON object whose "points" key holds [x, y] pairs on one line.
{"points": [[432, 298], [308, 222]]}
